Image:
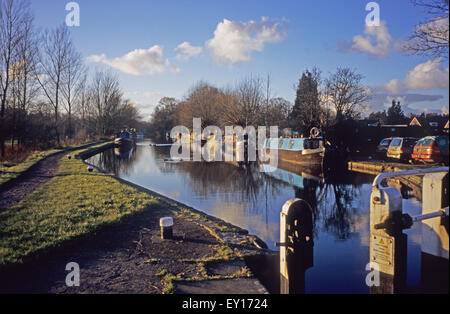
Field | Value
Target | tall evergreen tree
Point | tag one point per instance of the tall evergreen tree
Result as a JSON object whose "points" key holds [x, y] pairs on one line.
{"points": [[307, 110], [395, 114]]}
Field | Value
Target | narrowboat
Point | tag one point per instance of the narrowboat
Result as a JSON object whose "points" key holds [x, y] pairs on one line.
{"points": [[124, 138], [297, 151]]}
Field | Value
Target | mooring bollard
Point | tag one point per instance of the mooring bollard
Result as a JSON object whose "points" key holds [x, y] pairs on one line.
{"points": [[166, 228], [296, 247], [90, 169], [69, 156]]}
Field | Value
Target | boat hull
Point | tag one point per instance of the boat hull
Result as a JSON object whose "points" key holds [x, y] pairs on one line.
{"points": [[315, 158], [123, 142]]}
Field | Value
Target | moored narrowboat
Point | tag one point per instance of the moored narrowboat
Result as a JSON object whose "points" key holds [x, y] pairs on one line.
{"points": [[124, 138], [299, 151]]}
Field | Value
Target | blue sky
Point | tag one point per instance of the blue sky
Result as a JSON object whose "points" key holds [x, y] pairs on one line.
{"points": [[285, 38]]}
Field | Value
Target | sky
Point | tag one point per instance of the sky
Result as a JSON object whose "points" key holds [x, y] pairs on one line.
{"points": [[162, 48]]}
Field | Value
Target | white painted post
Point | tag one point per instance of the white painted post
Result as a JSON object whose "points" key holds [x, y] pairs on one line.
{"points": [[296, 247], [435, 197], [385, 203]]}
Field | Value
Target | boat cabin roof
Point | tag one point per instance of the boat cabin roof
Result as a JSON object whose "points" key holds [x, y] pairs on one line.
{"points": [[290, 144]]}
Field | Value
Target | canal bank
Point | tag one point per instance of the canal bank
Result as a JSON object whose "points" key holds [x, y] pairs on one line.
{"points": [[118, 246], [408, 185]]}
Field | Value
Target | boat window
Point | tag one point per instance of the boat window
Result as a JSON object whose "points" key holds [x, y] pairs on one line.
{"points": [[291, 144], [312, 144], [273, 144]]}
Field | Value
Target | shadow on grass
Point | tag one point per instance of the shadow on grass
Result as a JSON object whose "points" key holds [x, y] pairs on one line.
{"points": [[42, 269]]}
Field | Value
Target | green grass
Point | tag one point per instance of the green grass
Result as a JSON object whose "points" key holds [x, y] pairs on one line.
{"points": [[9, 171], [72, 204]]}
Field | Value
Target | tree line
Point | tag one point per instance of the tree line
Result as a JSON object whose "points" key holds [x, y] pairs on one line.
{"points": [[319, 103], [47, 95], [333, 103]]}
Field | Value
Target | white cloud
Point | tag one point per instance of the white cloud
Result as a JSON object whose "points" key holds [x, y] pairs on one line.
{"points": [[145, 101], [428, 75], [425, 76], [395, 86], [411, 103], [186, 51], [376, 42], [138, 62], [233, 42]]}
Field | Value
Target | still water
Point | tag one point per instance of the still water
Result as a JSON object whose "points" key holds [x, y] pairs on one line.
{"points": [[252, 200]]}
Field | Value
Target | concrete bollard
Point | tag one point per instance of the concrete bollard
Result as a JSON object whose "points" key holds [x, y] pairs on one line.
{"points": [[166, 228]]}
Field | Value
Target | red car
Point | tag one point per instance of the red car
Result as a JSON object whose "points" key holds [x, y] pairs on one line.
{"points": [[433, 149]]}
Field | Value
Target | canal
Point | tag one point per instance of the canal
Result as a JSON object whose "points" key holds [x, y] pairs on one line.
{"points": [[252, 199]]}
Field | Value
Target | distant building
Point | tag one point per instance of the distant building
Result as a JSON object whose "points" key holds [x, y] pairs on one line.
{"points": [[415, 122]]}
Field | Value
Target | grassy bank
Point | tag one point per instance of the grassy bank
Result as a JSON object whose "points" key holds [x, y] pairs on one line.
{"points": [[77, 203], [11, 170], [73, 203]]}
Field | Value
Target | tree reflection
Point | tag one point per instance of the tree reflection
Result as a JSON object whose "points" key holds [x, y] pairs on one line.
{"points": [[337, 214], [119, 160], [331, 197]]}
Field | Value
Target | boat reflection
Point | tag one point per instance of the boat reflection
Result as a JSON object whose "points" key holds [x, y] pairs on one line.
{"points": [[119, 160]]}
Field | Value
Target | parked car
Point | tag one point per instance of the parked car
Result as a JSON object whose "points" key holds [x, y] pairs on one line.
{"points": [[401, 148], [381, 151], [432, 149]]}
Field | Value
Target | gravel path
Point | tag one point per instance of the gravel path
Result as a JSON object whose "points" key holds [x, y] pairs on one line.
{"points": [[16, 190], [126, 259]]}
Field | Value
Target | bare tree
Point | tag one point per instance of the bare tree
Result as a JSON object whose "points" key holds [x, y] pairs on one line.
{"points": [[82, 103], [277, 112], [431, 38], [106, 98], [346, 94], [202, 102], [25, 84], [54, 62], [164, 117], [13, 13], [72, 78], [248, 108]]}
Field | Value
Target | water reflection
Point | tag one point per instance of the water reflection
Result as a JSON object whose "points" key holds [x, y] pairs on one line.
{"points": [[251, 188], [119, 160], [251, 199]]}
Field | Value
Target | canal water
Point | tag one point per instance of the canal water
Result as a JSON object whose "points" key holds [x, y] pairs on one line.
{"points": [[252, 199]]}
